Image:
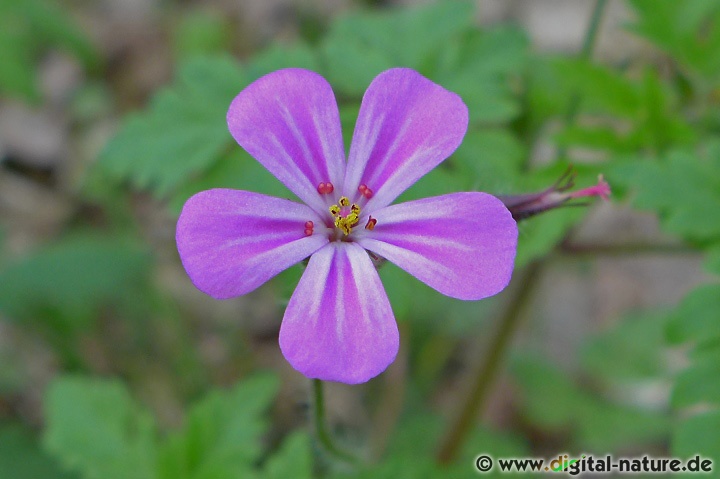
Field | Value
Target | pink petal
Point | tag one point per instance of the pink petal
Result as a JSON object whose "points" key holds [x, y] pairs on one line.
{"points": [[230, 241], [462, 244], [339, 325], [288, 120], [407, 125]]}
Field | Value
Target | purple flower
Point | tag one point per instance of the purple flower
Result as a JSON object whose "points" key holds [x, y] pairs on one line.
{"points": [[338, 325]]}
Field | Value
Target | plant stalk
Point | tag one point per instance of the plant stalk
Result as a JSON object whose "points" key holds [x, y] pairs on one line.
{"points": [[489, 367], [321, 431]]}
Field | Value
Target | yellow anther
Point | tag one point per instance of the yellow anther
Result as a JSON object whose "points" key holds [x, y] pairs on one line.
{"points": [[344, 220]]}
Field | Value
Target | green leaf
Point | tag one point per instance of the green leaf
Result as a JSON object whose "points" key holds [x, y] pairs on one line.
{"points": [[712, 264], [539, 235], [698, 384], [610, 427], [615, 113], [683, 188], [411, 452], [601, 90], [551, 399], [399, 287], [554, 402], [695, 318], [294, 459], [95, 427], [440, 181], [222, 435], [360, 45], [632, 349], [482, 67], [183, 133], [21, 458], [181, 145], [17, 69], [689, 30], [660, 122], [237, 170], [698, 434], [490, 159], [597, 138], [72, 278]]}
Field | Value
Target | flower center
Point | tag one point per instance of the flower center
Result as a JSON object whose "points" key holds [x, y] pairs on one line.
{"points": [[346, 216]]}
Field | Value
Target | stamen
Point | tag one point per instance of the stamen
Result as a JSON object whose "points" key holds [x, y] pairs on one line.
{"points": [[365, 191], [371, 223], [345, 218], [309, 228], [325, 188]]}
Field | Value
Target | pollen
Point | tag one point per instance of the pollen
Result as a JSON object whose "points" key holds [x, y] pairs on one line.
{"points": [[309, 228], [346, 216], [371, 222]]}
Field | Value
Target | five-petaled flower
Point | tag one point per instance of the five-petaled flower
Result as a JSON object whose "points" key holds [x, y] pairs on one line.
{"points": [[339, 325]]}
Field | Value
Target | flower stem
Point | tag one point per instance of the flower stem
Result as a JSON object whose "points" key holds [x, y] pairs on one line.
{"points": [[321, 431], [483, 379]]}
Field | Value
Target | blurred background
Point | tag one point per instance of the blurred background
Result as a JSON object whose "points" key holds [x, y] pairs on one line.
{"points": [[112, 113]]}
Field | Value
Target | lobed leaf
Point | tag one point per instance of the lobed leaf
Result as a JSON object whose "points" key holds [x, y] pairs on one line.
{"points": [[695, 318], [222, 435], [184, 131], [293, 459], [96, 428], [682, 187], [689, 30], [360, 45], [72, 278]]}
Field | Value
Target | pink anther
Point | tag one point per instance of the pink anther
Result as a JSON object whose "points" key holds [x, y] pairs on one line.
{"points": [[365, 191], [325, 188]]}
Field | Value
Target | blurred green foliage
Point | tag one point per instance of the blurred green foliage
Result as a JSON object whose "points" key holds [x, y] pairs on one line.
{"points": [[27, 28], [99, 430], [654, 132]]}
